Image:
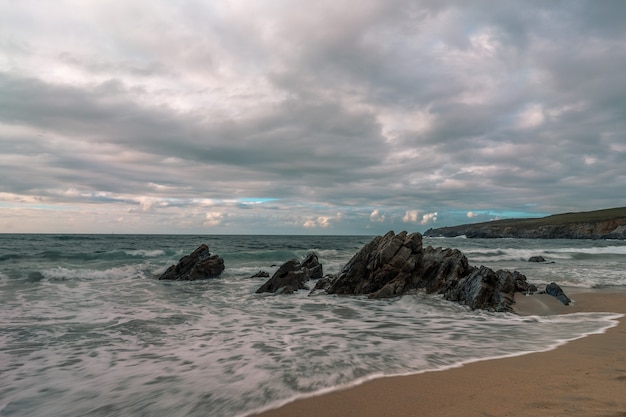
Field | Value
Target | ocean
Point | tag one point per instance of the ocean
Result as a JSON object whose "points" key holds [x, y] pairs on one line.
{"points": [[87, 330]]}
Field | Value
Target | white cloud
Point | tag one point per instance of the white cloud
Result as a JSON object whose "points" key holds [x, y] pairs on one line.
{"points": [[410, 216], [320, 221], [531, 117], [376, 216], [429, 218], [589, 160], [323, 222], [213, 218], [147, 203]]}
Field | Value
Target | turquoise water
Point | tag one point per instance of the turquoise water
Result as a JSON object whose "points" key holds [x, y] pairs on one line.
{"points": [[87, 330]]}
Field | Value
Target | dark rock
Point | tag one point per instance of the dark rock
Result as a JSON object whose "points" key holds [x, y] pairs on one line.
{"points": [[393, 265], [288, 278], [385, 267], [323, 284], [442, 268], [536, 259], [200, 264], [261, 274], [554, 290], [488, 290], [312, 263], [293, 275]]}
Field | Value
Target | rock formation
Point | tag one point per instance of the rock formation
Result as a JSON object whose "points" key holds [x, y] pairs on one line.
{"points": [[200, 264], [396, 264], [554, 290], [382, 268], [293, 275], [488, 290]]}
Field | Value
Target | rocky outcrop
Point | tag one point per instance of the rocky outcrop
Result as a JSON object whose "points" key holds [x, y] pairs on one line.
{"points": [[554, 290], [397, 264], [293, 275], [312, 264], [488, 290], [393, 265], [200, 264], [537, 258], [600, 224], [382, 268]]}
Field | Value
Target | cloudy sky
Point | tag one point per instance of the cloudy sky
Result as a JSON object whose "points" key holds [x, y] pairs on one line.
{"points": [[290, 117]]}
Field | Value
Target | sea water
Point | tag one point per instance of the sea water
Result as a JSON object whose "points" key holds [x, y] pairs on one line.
{"points": [[86, 329]]}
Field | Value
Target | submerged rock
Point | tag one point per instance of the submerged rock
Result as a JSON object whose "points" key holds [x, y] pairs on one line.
{"points": [[293, 275], [554, 290], [536, 259], [200, 264]]}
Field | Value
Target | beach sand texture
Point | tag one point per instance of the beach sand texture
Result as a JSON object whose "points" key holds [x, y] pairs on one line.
{"points": [[586, 377]]}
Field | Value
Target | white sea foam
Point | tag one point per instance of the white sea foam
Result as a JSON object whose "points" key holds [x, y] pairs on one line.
{"points": [[100, 337], [64, 273], [145, 253], [523, 254], [597, 250]]}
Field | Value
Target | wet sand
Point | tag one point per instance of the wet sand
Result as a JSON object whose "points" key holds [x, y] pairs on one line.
{"points": [[586, 377]]}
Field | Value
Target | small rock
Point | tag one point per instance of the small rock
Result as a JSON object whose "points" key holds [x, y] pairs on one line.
{"points": [[261, 274], [293, 275], [536, 259], [312, 263], [200, 264], [554, 290]]}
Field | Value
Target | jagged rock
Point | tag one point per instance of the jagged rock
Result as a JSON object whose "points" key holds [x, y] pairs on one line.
{"points": [[293, 275], [442, 268], [488, 290], [200, 264], [393, 265], [536, 259], [554, 290], [323, 284], [312, 263], [261, 274], [382, 268]]}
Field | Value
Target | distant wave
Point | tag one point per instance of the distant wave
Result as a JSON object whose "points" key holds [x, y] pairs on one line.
{"points": [[514, 254], [63, 273], [145, 253]]}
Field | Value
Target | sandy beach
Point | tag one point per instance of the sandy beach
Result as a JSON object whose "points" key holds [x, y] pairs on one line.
{"points": [[586, 377]]}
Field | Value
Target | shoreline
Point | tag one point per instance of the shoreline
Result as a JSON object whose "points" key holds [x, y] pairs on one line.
{"points": [[582, 377]]}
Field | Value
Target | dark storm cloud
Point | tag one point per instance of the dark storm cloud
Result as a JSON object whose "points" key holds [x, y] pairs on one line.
{"points": [[352, 115]]}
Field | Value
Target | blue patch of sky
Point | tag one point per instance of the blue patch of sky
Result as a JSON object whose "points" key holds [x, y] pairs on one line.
{"points": [[502, 214], [256, 200]]}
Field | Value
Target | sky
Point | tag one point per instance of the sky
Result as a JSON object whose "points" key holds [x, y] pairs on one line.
{"points": [[290, 117]]}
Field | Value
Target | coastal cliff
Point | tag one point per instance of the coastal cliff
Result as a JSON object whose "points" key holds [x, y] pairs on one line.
{"points": [[599, 224]]}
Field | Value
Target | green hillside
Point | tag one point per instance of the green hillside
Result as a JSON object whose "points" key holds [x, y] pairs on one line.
{"points": [[607, 223]]}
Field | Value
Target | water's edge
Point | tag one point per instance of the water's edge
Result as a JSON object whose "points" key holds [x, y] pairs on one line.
{"points": [[613, 320]]}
